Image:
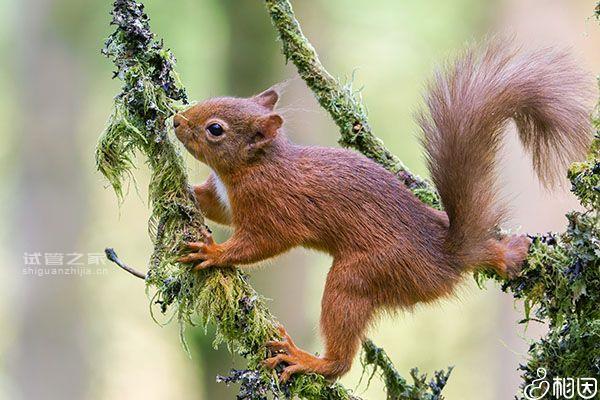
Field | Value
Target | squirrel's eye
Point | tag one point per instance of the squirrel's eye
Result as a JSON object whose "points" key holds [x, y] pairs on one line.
{"points": [[215, 129]]}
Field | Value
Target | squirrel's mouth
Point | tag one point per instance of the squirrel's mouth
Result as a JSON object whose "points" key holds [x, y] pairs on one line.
{"points": [[181, 135], [186, 137]]}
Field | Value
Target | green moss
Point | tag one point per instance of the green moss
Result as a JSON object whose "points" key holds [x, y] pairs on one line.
{"points": [[150, 95], [397, 387], [340, 100], [560, 283], [428, 197], [585, 176]]}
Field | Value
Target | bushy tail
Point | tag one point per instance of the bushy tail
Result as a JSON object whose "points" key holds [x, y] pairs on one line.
{"points": [[469, 104]]}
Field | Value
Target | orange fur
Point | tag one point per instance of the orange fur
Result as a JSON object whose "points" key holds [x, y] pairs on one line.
{"points": [[389, 249]]}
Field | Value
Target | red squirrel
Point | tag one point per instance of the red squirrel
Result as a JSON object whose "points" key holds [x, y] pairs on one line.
{"points": [[389, 250]]}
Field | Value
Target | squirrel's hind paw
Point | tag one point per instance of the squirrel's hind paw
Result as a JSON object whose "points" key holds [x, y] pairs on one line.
{"points": [[506, 256], [517, 247], [298, 361]]}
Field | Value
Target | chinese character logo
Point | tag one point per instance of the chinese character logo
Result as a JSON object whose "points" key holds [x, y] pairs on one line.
{"points": [[562, 388], [538, 388], [587, 388]]}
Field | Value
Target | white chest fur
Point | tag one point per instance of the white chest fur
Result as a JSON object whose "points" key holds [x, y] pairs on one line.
{"points": [[221, 191]]}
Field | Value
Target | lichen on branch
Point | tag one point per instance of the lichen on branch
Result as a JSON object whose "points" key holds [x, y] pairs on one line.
{"points": [[150, 95], [340, 100], [397, 387], [560, 282], [560, 285]]}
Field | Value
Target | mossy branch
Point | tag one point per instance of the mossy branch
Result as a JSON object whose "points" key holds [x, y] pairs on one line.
{"points": [[397, 387], [340, 100], [560, 282], [150, 95]]}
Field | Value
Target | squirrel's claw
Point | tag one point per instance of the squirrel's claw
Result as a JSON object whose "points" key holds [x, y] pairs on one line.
{"points": [[207, 253], [282, 345], [273, 362], [194, 245], [291, 370], [204, 264], [192, 257], [292, 356]]}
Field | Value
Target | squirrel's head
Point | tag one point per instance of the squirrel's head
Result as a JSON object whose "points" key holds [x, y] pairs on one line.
{"points": [[227, 133]]}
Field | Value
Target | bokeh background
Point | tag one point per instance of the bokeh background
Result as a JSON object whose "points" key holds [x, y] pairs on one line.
{"points": [[90, 336]]}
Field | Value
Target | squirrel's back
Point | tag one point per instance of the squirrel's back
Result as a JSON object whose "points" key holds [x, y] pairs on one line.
{"points": [[345, 201]]}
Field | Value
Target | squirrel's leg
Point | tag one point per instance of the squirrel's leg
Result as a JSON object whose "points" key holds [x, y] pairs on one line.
{"points": [[345, 315], [507, 255], [211, 202], [243, 247]]}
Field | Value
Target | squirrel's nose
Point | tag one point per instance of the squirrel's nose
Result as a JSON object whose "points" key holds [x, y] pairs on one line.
{"points": [[176, 121]]}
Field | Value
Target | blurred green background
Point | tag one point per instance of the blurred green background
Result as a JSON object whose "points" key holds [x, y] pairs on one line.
{"points": [[89, 335]]}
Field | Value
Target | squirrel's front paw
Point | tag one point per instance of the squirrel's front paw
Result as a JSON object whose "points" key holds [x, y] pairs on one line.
{"points": [[204, 255]]}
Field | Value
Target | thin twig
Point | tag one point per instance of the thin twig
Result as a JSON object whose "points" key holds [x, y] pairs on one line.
{"points": [[112, 256]]}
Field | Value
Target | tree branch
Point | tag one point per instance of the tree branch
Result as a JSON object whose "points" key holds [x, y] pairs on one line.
{"points": [[397, 387], [112, 256], [220, 296], [560, 281], [341, 101]]}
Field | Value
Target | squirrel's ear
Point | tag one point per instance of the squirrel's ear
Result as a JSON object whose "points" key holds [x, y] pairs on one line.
{"points": [[267, 128], [268, 98]]}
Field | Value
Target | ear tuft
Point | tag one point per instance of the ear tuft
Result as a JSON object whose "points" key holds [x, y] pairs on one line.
{"points": [[268, 98]]}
